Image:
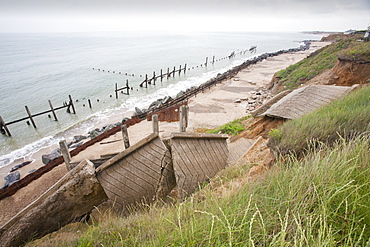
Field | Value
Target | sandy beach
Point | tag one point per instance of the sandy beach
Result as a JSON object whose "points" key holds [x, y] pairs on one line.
{"points": [[209, 109]]}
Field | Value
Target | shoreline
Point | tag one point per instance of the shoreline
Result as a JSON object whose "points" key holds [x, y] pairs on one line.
{"points": [[36, 164], [212, 108]]}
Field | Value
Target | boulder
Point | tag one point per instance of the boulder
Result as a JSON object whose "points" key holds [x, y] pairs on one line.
{"points": [[108, 127], [79, 138], [68, 201], [11, 179], [125, 119], [46, 158], [94, 133], [138, 111]]}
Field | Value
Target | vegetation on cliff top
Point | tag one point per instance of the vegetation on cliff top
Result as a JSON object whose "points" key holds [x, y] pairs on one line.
{"points": [[323, 59]]}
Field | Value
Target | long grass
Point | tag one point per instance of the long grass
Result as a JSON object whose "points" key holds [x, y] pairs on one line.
{"points": [[322, 200]]}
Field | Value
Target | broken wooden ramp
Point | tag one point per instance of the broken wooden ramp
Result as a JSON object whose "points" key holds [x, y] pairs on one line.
{"points": [[139, 174], [305, 100], [197, 157]]}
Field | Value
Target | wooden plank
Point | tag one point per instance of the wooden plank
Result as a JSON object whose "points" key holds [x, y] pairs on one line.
{"points": [[53, 111], [30, 117], [196, 158]]}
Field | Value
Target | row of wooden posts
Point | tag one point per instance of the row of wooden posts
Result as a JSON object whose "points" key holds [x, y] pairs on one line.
{"points": [[184, 112], [70, 109]]}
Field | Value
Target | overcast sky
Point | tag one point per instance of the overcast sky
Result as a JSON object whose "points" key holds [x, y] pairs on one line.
{"points": [[186, 15]]}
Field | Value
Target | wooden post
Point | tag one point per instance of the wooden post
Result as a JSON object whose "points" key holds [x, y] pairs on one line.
{"points": [[206, 61], [146, 80], [126, 140], [213, 60], [185, 69], [71, 104], [174, 70], [3, 127], [89, 101], [30, 116], [65, 153], [52, 110], [168, 72], [161, 75], [127, 87], [180, 70], [154, 78], [155, 123], [116, 90], [183, 118]]}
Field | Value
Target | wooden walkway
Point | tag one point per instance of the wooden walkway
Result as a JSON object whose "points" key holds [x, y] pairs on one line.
{"points": [[141, 173], [196, 159], [306, 99]]}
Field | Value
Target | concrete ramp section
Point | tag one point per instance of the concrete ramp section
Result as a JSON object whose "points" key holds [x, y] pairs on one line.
{"points": [[197, 158], [306, 99], [139, 174]]}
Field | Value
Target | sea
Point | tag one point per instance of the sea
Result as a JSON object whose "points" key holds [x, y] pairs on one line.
{"points": [[43, 67]]}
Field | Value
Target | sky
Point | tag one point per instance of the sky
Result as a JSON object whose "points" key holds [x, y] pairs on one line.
{"points": [[182, 15]]}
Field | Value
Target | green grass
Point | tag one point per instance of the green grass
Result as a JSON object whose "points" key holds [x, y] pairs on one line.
{"points": [[357, 52], [322, 200], [319, 61], [344, 118], [232, 128]]}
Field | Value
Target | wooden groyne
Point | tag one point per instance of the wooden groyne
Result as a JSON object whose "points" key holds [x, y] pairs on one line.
{"points": [[70, 109], [162, 75]]}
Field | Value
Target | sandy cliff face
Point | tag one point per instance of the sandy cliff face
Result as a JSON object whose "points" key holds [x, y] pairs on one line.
{"points": [[344, 73]]}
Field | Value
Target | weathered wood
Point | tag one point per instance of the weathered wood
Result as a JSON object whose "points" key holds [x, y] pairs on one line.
{"points": [[65, 153], [53, 111], [71, 104], [4, 128], [184, 118], [213, 60], [155, 123], [139, 174], [89, 101], [30, 116], [126, 140], [206, 63], [197, 157], [304, 100]]}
